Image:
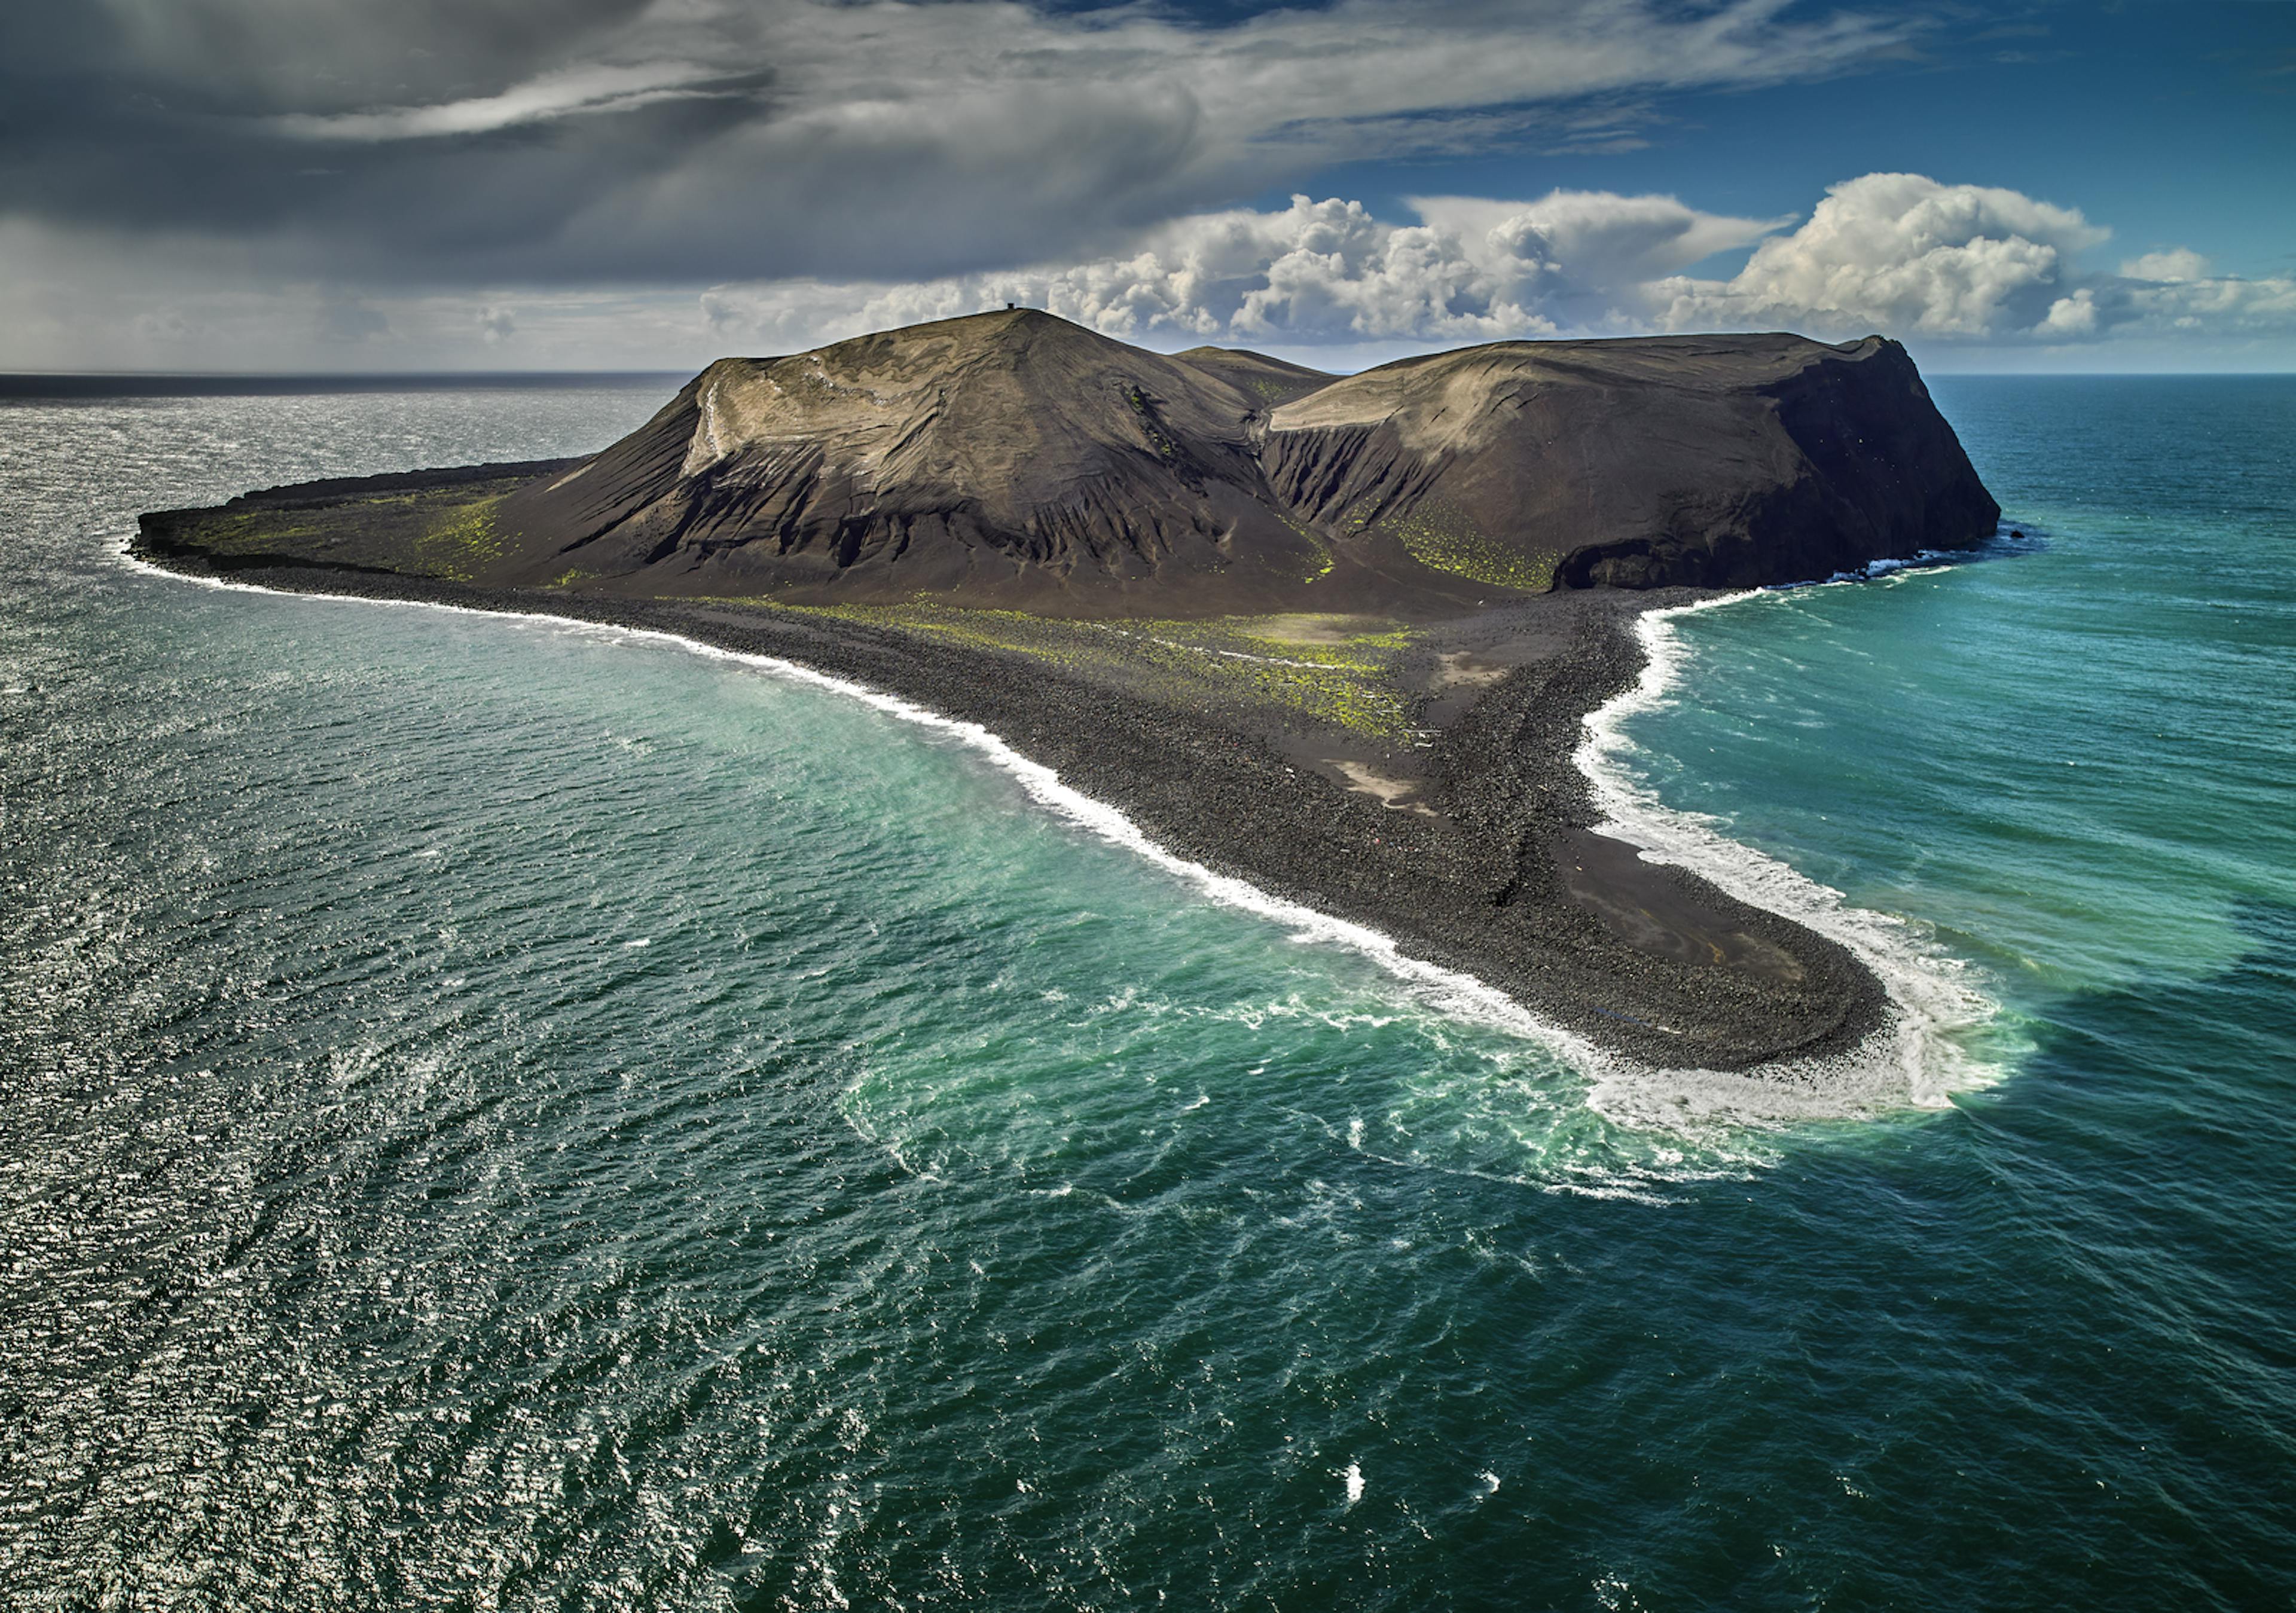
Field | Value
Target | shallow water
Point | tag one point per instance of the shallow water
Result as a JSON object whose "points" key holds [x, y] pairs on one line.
{"points": [[508, 1115]]}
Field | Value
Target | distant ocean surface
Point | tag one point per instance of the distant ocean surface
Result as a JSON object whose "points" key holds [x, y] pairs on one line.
{"points": [[502, 1114]]}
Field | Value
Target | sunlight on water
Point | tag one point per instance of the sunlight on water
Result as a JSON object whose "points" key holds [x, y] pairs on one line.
{"points": [[1517, 1087], [507, 1115]]}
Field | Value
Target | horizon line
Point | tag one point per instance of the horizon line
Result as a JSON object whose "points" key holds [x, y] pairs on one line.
{"points": [[24, 383]]}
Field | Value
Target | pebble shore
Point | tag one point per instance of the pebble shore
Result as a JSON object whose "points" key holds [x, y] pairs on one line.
{"points": [[1503, 882]]}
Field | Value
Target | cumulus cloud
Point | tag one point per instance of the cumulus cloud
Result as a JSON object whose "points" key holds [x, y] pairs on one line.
{"points": [[2225, 306], [1904, 254], [1896, 253], [1937, 264], [1315, 272], [2180, 263], [830, 164], [1604, 238]]}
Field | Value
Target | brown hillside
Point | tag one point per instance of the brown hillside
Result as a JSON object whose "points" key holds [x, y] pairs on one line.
{"points": [[1014, 459], [1727, 460]]}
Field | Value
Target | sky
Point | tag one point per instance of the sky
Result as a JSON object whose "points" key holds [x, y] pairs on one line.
{"points": [[356, 186]]}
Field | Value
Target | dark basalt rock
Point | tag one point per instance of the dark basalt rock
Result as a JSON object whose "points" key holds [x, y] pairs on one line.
{"points": [[1709, 460], [1015, 459]]}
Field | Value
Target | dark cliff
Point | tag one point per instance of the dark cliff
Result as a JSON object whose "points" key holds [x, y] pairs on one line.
{"points": [[1014, 459], [1717, 461]]}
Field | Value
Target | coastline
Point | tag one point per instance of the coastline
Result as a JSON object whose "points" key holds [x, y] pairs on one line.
{"points": [[1916, 1053], [1513, 894]]}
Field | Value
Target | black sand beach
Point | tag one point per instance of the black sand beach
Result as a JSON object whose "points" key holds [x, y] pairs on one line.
{"points": [[1338, 636], [1471, 843]]}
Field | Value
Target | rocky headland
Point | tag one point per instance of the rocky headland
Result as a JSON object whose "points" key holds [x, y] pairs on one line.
{"points": [[1334, 634]]}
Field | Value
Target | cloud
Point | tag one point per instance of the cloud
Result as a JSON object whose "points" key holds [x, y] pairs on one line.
{"points": [[586, 91], [1896, 253], [2226, 306], [1315, 272], [348, 319], [1904, 254], [2181, 263], [1940, 264], [574, 142]]}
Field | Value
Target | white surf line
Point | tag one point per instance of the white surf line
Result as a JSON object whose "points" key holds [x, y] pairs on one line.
{"points": [[1931, 1000], [1449, 991], [1624, 1091]]}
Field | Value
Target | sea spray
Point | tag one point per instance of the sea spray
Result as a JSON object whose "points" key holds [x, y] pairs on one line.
{"points": [[1446, 991], [1909, 1060], [1918, 1056]]}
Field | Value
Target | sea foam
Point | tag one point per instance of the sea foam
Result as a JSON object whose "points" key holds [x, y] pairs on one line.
{"points": [[1912, 1058], [1445, 991], [1919, 1055]]}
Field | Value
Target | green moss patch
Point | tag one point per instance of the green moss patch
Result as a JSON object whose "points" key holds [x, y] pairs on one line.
{"points": [[1443, 539], [461, 542], [448, 532], [1310, 670]]}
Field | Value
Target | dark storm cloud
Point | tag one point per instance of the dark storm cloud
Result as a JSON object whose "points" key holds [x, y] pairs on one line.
{"points": [[183, 118], [576, 141]]}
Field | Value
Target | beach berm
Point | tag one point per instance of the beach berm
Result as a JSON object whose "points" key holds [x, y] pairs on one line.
{"points": [[1336, 637]]}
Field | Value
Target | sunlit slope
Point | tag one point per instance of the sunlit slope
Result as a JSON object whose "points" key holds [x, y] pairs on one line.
{"points": [[1014, 459], [1009, 457], [1268, 381]]}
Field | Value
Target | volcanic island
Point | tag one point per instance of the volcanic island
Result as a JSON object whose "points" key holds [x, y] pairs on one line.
{"points": [[1335, 636]]}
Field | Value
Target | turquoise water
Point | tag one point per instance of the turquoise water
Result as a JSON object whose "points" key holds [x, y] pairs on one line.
{"points": [[511, 1116]]}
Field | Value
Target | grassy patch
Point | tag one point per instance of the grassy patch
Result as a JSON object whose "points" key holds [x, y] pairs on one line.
{"points": [[253, 532], [1151, 428], [461, 542], [1443, 539], [446, 531], [1326, 557], [1321, 672]]}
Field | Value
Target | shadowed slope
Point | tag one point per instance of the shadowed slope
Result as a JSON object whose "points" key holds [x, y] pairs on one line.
{"points": [[1720, 461], [1016, 459]]}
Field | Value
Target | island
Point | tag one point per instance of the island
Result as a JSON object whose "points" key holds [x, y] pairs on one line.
{"points": [[1337, 636]]}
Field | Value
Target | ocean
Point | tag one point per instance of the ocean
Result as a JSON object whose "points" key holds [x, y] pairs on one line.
{"points": [[505, 1115]]}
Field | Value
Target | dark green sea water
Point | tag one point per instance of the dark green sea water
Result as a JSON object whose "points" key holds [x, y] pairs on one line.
{"points": [[506, 1116]]}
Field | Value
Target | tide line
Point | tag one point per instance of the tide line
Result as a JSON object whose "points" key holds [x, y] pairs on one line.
{"points": [[1450, 991], [1915, 1057], [1928, 1001]]}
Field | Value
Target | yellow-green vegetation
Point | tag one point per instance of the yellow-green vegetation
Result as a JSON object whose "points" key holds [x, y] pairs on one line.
{"points": [[565, 580], [255, 531], [461, 542], [1326, 557], [1151, 428], [1329, 669], [444, 531], [1445, 540]]}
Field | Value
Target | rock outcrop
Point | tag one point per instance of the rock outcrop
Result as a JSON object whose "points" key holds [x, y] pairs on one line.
{"points": [[1717, 461], [1014, 459]]}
